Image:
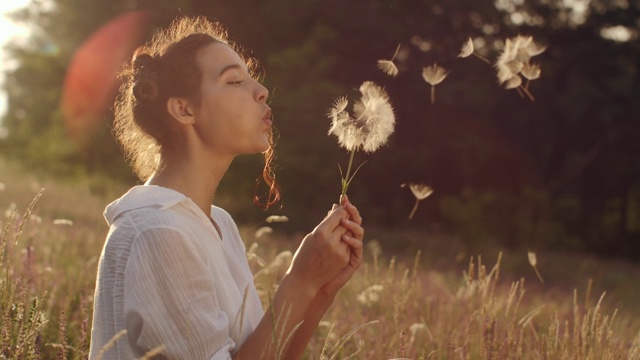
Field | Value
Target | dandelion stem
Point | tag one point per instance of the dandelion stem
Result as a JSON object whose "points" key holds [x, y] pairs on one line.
{"points": [[538, 274], [527, 92], [347, 180], [482, 58], [396, 53], [433, 94], [415, 207]]}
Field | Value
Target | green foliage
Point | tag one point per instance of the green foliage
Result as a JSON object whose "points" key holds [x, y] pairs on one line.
{"points": [[577, 143]]}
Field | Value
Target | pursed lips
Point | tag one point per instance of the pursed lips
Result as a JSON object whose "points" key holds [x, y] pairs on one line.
{"points": [[267, 118]]}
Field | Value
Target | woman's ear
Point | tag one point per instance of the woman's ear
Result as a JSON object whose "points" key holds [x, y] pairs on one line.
{"points": [[181, 110]]}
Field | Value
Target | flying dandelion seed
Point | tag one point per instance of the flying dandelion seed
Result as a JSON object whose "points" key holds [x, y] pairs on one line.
{"points": [[370, 127], [263, 231], [421, 192], [514, 63], [388, 66], [514, 82], [370, 295], [276, 219], [434, 75], [66, 222], [531, 71], [468, 49], [533, 261]]}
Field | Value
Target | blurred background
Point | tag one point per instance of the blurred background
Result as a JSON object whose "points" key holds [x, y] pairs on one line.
{"points": [[561, 172]]}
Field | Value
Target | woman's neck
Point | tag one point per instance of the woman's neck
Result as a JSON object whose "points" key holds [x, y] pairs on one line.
{"points": [[195, 177]]}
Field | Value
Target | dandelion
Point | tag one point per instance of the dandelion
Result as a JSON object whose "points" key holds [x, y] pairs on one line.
{"points": [[533, 261], [370, 127], [421, 192], [388, 66], [276, 219], [468, 50], [434, 75]]}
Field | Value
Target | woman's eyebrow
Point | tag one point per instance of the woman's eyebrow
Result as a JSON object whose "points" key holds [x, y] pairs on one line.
{"points": [[230, 67]]}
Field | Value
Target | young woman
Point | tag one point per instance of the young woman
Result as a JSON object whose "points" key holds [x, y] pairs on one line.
{"points": [[173, 272]]}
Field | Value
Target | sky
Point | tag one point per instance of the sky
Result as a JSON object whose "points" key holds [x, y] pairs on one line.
{"points": [[8, 31]]}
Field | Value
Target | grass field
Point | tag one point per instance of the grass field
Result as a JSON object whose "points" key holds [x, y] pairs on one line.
{"points": [[418, 296]]}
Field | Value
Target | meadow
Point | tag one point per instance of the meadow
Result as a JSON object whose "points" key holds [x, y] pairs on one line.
{"points": [[417, 296]]}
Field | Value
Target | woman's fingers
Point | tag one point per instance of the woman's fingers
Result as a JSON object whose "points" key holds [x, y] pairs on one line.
{"points": [[329, 224], [354, 228], [353, 212]]}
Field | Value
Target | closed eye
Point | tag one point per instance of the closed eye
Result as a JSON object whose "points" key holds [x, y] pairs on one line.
{"points": [[238, 82]]}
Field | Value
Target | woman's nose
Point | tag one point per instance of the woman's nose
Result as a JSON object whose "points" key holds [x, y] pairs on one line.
{"points": [[263, 93]]}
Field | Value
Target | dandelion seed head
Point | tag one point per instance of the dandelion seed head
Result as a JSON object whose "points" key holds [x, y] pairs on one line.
{"points": [[467, 49], [373, 120], [388, 67], [434, 74]]}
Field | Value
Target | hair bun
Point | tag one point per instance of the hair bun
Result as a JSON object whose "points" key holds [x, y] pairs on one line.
{"points": [[145, 86]]}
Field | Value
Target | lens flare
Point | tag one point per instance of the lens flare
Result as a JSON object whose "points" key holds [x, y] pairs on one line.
{"points": [[91, 80]]}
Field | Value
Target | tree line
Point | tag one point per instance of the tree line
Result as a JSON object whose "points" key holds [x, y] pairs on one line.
{"points": [[559, 172]]}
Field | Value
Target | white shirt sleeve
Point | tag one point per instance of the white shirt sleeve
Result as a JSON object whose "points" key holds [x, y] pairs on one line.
{"points": [[170, 299]]}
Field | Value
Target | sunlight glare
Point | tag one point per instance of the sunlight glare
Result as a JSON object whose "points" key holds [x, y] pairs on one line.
{"points": [[9, 31]]}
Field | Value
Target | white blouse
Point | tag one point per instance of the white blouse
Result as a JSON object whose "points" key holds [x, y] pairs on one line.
{"points": [[167, 277]]}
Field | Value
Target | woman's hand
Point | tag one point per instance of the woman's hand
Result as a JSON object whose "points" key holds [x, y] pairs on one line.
{"points": [[323, 254], [353, 238]]}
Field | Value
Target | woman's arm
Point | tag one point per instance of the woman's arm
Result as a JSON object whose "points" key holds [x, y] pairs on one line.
{"points": [[323, 300], [321, 257]]}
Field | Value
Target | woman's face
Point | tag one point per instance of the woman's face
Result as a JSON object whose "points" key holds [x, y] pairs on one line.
{"points": [[232, 117]]}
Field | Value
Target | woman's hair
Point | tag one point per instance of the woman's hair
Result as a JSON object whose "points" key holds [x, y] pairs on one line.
{"points": [[167, 67]]}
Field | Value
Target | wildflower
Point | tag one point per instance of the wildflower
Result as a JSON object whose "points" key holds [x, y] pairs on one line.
{"points": [[277, 219], [371, 126], [434, 75], [421, 192], [388, 66]]}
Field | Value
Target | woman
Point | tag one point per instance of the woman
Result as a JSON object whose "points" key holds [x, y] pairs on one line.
{"points": [[173, 272]]}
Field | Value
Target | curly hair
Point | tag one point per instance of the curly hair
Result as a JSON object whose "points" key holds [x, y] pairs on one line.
{"points": [[167, 67]]}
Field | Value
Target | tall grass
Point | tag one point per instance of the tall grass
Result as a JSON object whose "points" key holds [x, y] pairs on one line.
{"points": [[393, 308]]}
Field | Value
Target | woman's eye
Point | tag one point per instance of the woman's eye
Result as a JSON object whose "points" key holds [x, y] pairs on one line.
{"points": [[237, 82]]}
